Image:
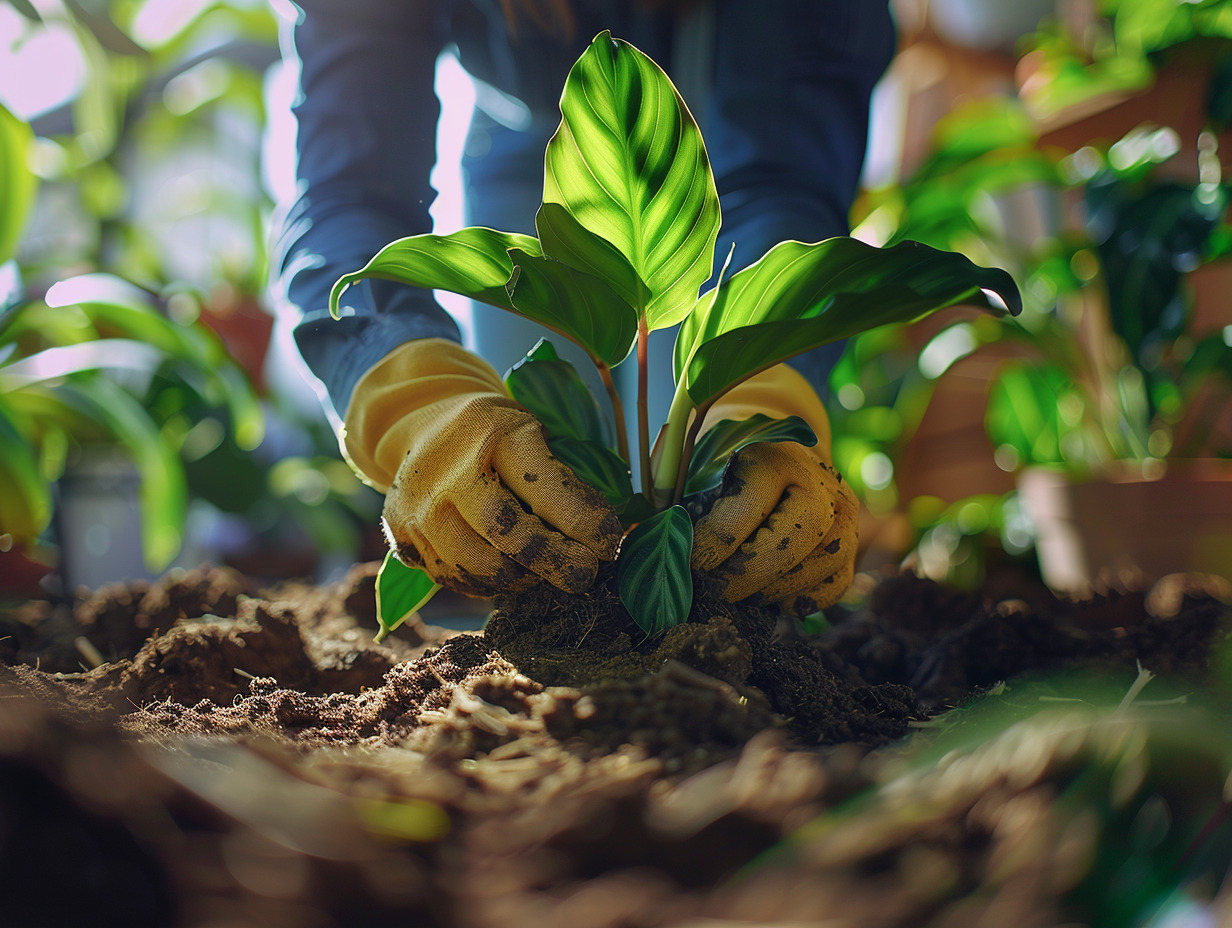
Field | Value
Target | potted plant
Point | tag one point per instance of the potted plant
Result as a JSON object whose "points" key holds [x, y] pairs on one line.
{"points": [[617, 183]]}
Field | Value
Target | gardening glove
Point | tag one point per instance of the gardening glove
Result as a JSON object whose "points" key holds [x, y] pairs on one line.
{"points": [[473, 496], [784, 523]]}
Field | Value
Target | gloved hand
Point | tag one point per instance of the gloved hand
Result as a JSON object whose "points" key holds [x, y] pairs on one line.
{"points": [[784, 524], [473, 496]]}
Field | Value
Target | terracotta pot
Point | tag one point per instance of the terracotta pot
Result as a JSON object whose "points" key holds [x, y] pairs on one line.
{"points": [[1126, 530]]}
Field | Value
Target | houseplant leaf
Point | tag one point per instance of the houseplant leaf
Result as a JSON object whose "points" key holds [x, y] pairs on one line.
{"points": [[163, 495], [551, 389], [473, 262], [652, 572], [597, 465], [17, 183], [401, 591], [579, 306], [800, 296], [628, 164], [25, 497], [727, 436], [562, 237]]}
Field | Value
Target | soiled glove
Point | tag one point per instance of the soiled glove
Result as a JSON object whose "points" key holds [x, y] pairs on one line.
{"points": [[473, 496], [784, 523]]}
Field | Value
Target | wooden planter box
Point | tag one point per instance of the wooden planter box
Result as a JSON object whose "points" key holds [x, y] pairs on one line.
{"points": [[1128, 530]]}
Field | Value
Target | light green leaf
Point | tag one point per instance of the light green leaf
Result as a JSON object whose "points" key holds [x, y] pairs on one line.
{"points": [[551, 389], [473, 262], [17, 183], [727, 436], [652, 572], [800, 296], [597, 465], [401, 591], [629, 165], [582, 308], [25, 497]]}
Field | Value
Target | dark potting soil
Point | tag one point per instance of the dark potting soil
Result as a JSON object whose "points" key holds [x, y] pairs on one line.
{"points": [[245, 757]]}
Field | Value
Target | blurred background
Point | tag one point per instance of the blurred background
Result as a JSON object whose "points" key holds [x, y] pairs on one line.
{"points": [[153, 412]]}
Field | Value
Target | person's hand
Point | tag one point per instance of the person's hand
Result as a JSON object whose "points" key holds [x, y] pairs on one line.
{"points": [[784, 522], [473, 495]]}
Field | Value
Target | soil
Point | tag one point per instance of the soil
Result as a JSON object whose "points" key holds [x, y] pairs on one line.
{"points": [[196, 751]]}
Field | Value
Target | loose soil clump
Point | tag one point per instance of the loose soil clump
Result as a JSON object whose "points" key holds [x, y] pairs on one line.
{"points": [[249, 757]]}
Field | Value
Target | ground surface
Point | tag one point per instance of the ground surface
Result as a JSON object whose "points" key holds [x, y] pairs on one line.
{"points": [[242, 757]]}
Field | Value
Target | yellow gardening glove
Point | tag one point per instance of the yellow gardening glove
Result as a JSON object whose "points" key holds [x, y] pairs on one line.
{"points": [[473, 496], [784, 524]]}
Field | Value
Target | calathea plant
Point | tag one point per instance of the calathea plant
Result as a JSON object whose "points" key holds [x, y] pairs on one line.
{"points": [[625, 241]]}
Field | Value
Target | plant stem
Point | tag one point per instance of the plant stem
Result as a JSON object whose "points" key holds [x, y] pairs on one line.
{"points": [[643, 413], [618, 410], [673, 440], [686, 454]]}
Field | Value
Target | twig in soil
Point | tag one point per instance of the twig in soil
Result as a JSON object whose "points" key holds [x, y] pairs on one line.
{"points": [[243, 673], [1144, 677], [85, 647]]}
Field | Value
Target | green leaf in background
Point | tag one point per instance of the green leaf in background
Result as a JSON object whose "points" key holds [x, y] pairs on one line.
{"points": [[26, 9], [1034, 410], [17, 183], [652, 572], [163, 494], [727, 436], [551, 389], [401, 591], [628, 164], [473, 262], [580, 307], [800, 296], [25, 497], [1146, 240], [597, 465]]}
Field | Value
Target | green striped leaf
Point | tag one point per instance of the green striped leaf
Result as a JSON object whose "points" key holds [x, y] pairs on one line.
{"points": [[473, 262], [581, 307], [629, 166], [401, 591], [652, 572], [800, 296], [727, 436], [551, 389]]}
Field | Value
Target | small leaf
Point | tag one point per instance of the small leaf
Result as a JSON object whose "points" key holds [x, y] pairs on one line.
{"points": [[26, 9], [596, 465], [727, 436], [580, 307], [637, 508], [401, 591], [552, 390], [473, 262], [652, 572], [564, 238], [628, 164], [801, 296]]}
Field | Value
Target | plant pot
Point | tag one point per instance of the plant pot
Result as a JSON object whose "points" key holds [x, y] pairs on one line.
{"points": [[1127, 529]]}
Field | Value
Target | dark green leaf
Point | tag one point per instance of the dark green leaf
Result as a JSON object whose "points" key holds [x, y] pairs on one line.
{"points": [[552, 390], [636, 509], [473, 262], [597, 465], [401, 591], [652, 571], [727, 436], [26, 9], [580, 307], [1023, 412], [17, 183], [628, 164], [800, 296]]}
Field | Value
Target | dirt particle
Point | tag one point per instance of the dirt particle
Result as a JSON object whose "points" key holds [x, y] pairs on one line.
{"points": [[832, 547], [530, 478]]}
